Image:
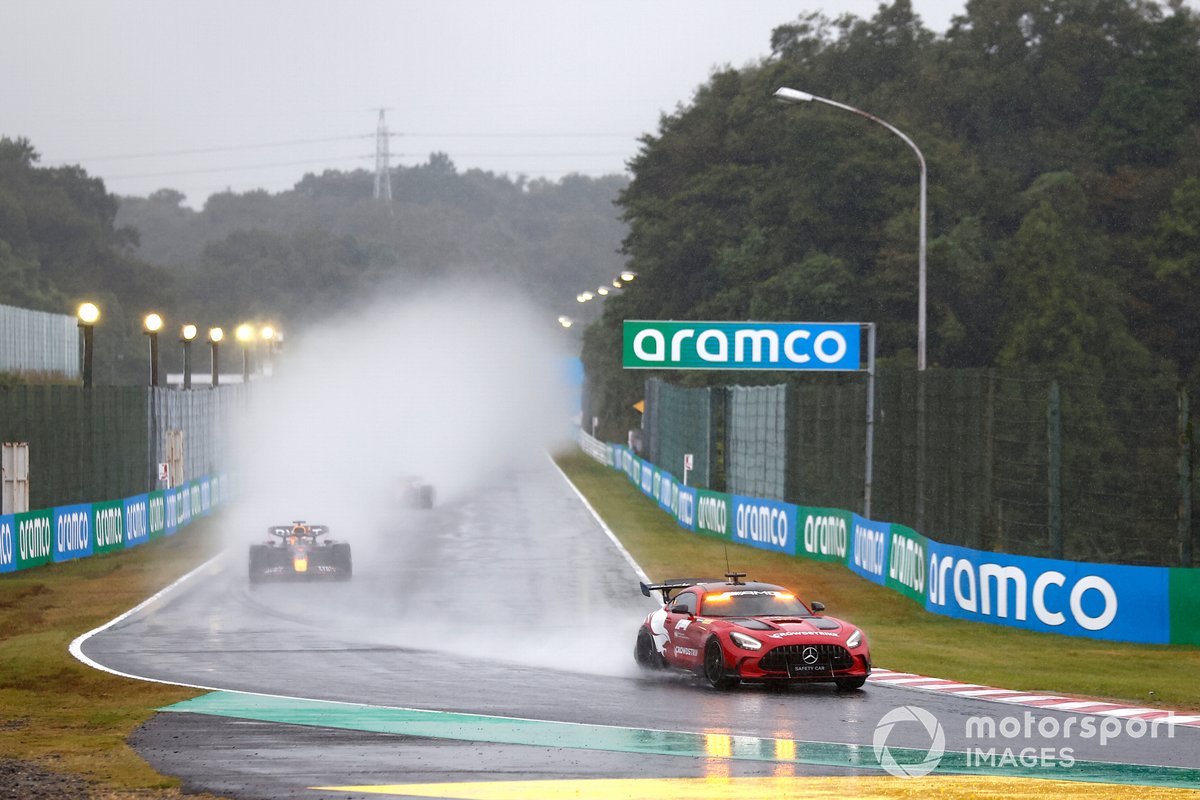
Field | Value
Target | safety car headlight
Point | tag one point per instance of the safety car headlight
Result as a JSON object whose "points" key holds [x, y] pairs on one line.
{"points": [[855, 639], [745, 642]]}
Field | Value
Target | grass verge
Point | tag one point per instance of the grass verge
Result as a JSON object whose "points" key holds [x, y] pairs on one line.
{"points": [[69, 718], [903, 635]]}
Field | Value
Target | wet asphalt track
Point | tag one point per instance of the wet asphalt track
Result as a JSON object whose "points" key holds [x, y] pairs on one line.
{"points": [[513, 604]]}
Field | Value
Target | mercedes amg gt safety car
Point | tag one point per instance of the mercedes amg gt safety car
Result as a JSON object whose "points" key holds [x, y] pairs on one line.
{"points": [[731, 631], [296, 552]]}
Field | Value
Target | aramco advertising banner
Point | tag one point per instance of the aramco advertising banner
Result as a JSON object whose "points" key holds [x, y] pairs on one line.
{"points": [[1076, 598], [828, 346], [65, 533], [1153, 605]]}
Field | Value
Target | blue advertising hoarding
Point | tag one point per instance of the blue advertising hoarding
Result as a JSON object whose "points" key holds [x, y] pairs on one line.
{"points": [[766, 524], [137, 520], [1075, 598], [72, 526], [869, 542], [8, 543]]}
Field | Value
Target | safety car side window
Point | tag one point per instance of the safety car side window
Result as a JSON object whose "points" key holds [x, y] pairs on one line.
{"points": [[686, 599]]}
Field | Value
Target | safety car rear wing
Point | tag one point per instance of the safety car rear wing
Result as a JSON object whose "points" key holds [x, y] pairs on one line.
{"points": [[672, 585]]}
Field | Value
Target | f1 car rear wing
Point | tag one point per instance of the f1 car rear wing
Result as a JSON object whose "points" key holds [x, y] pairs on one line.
{"points": [[284, 531]]}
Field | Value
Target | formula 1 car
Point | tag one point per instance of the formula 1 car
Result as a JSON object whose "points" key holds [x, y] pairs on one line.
{"points": [[415, 494], [731, 631], [297, 553]]}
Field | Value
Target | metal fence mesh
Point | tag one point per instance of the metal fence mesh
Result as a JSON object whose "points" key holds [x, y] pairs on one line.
{"points": [[756, 457], [680, 421], [989, 459], [38, 342], [102, 443], [207, 420]]}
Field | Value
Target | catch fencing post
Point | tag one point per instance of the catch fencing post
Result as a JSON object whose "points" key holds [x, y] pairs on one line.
{"points": [[1054, 469], [1184, 515], [869, 468]]}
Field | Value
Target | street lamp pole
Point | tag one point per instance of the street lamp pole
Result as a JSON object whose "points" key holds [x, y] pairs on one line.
{"points": [[186, 334], [245, 334], [151, 325], [87, 314], [215, 335], [791, 96]]}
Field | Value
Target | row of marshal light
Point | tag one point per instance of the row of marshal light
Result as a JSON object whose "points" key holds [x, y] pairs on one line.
{"points": [[601, 291], [247, 334]]}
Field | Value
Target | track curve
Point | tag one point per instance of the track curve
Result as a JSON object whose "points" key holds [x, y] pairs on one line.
{"points": [[513, 604]]}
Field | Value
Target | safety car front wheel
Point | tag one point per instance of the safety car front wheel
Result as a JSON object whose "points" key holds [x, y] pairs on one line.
{"points": [[715, 671]]}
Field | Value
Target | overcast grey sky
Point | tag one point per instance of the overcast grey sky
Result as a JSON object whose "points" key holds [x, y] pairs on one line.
{"points": [[539, 87]]}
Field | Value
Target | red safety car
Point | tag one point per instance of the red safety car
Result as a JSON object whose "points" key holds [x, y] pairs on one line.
{"points": [[732, 631]]}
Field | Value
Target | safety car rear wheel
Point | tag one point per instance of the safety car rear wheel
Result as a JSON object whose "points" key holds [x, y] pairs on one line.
{"points": [[645, 653]]}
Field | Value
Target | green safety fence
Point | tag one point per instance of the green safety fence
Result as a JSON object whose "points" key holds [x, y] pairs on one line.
{"points": [[63, 533], [1155, 605]]}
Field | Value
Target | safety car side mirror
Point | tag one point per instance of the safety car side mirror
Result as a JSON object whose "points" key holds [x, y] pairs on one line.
{"points": [[681, 609], [817, 606]]}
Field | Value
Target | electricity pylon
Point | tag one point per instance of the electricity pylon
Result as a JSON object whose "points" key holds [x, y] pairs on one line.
{"points": [[383, 175]]}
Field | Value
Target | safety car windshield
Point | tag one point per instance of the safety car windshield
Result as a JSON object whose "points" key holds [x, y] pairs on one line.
{"points": [[753, 603]]}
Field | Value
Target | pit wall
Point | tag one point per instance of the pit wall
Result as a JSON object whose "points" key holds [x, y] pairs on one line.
{"points": [[65, 533], [1151, 605]]}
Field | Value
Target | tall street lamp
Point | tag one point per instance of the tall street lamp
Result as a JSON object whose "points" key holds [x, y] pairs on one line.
{"points": [[786, 95], [215, 335], [151, 325], [186, 334], [88, 314], [245, 335], [267, 334]]}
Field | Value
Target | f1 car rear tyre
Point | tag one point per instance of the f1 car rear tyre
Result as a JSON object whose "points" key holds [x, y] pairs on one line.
{"points": [[714, 667], [342, 561], [645, 653], [258, 563], [845, 684]]}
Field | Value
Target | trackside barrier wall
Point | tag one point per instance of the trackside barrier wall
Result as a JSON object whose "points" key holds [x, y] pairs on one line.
{"points": [[65, 533], [1152, 605]]}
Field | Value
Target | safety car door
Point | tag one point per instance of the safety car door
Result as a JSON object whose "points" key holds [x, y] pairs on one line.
{"points": [[682, 648]]}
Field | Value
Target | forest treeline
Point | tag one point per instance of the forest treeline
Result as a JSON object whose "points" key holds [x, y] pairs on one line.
{"points": [[1063, 147], [292, 257]]}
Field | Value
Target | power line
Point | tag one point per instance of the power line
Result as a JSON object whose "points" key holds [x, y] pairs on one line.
{"points": [[355, 137], [236, 168], [224, 149]]}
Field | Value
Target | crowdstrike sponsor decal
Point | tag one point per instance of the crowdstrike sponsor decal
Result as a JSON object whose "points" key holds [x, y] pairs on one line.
{"points": [[786, 634], [741, 345], [768, 524], [8, 549], [914, 763], [869, 548], [825, 535], [1080, 599], [686, 651]]}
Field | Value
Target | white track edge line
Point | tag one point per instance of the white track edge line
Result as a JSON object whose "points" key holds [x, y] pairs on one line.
{"points": [[612, 537]]}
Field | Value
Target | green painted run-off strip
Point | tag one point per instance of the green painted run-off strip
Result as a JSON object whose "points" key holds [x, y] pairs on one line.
{"points": [[713, 744]]}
